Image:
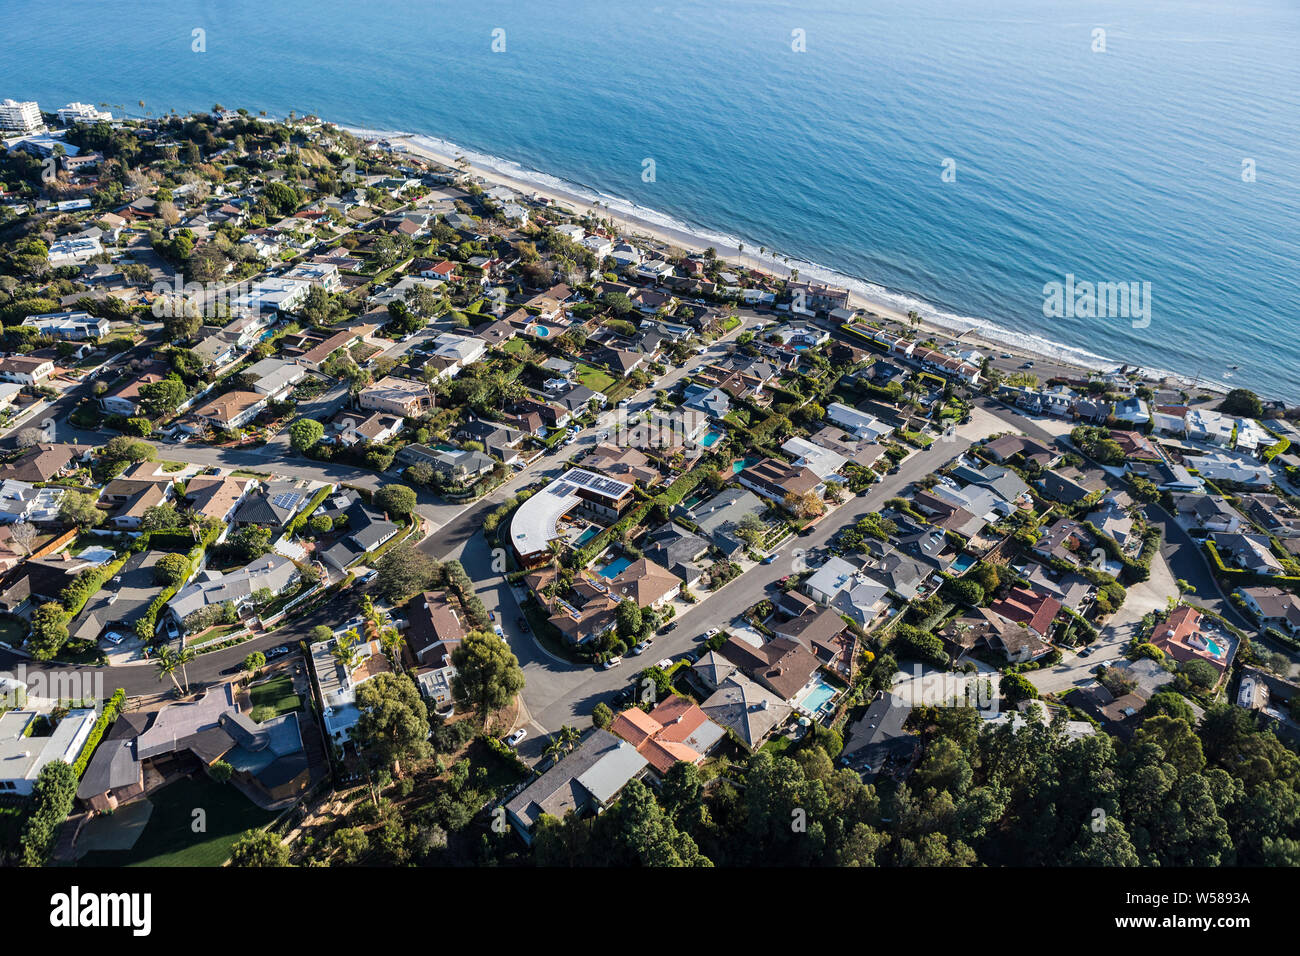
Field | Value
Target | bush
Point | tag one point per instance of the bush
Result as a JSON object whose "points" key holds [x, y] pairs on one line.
{"points": [[171, 569], [397, 500]]}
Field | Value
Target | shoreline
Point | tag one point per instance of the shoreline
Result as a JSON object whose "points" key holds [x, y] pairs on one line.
{"points": [[634, 221]]}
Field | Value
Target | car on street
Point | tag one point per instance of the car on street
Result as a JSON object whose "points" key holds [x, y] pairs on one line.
{"points": [[713, 631], [523, 624], [769, 559], [1027, 365], [611, 663], [639, 649], [517, 737], [670, 626], [664, 664], [496, 628], [278, 651], [1086, 651]]}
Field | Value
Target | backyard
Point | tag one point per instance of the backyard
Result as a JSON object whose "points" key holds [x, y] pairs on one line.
{"points": [[273, 698], [169, 838]]}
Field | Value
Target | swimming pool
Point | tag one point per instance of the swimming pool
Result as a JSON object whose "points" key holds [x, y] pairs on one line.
{"points": [[709, 440], [1213, 647], [964, 562], [744, 463], [816, 696], [541, 331], [587, 535], [615, 568]]}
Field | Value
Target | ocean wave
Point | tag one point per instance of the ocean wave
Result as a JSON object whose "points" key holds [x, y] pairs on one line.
{"points": [[779, 263]]}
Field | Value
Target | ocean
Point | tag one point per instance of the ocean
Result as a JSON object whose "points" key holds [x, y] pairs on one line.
{"points": [[953, 157]]}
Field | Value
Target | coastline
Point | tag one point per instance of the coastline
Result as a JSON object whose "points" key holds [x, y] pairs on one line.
{"points": [[639, 222]]}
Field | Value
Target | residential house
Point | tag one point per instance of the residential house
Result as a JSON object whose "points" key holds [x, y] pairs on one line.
{"points": [[397, 396], [271, 572], [747, 709], [676, 730], [585, 781], [1180, 636], [878, 741]]}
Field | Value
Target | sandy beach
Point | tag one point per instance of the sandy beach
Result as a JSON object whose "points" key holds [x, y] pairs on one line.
{"points": [[1047, 364]]}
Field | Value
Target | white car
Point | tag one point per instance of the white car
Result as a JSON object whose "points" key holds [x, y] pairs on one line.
{"points": [[713, 631], [639, 649], [514, 739], [612, 663], [664, 664], [500, 633], [113, 637]]}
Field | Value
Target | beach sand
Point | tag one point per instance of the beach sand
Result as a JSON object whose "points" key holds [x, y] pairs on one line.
{"points": [[1046, 364]]}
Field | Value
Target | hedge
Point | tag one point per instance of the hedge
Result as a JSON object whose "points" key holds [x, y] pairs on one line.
{"points": [[302, 517], [1240, 577], [112, 707]]}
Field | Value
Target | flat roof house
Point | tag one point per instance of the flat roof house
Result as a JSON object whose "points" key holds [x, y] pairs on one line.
{"points": [[395, 395], [534, 524]]}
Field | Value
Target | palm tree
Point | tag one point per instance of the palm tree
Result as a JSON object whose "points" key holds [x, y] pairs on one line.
{"points": [[168, 662], [182, 659], [914, 317]]}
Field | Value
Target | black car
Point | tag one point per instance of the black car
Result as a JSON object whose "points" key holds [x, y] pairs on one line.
{"points": [[670, 627], [523, 624]]}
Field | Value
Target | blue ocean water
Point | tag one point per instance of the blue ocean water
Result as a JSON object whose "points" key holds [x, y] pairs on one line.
{"points": [[1123, 165]]}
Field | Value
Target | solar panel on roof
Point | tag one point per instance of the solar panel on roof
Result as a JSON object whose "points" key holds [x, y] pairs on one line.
{"points": [[288, 499]]}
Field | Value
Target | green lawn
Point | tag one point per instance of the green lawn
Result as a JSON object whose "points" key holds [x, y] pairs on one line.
{"points": [[273, 698], [169, 838], [595, 379], [12, 630]]}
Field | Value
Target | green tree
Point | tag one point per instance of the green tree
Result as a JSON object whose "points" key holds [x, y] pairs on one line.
{"points": [[171, 569], [221, 771], [398, 501], [49, 631], [393, 724], [488, 674], [404, 570], [602, 716], [1243, 402], [163, 397], [80, 509], [305, 433], [254, 661], [163, 517], [629, 620], [259, 848]]}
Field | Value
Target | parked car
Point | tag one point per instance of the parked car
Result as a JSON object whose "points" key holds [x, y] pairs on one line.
{"points": [[639, 649], [517, 737], [770, 558], [496, 628], [523, 624], [664, 664], [611, 663], [278, 651], [113, 637], [711, 632], [670, 626]]}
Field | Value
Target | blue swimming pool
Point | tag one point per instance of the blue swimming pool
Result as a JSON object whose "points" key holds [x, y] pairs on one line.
{"points": [[709, 440], [1213, 648], [816, 696], [588, 535], [964, 562], [614, 568], [541, 331]]}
